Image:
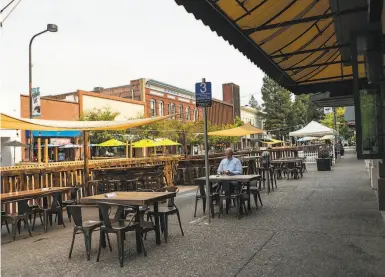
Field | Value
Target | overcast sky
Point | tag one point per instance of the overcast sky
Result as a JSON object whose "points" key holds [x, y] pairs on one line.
{"points": [[108, 43]]}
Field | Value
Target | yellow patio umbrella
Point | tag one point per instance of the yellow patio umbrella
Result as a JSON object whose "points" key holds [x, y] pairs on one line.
{"points": [[144, 143], [166, 142], [111, 143]]}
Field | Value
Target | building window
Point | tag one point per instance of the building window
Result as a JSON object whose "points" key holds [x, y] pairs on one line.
{"points": [[181, 111], [161, 108], [196, 114], [152, 107], [188, 117], [171, 109]]}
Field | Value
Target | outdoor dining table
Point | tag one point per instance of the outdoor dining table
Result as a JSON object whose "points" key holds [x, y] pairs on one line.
{"points": [[133, 198], [35, 193], [244, 179]]}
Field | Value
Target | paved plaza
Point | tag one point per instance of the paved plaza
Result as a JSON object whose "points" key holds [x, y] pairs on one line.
{"points": [[325, 224]]}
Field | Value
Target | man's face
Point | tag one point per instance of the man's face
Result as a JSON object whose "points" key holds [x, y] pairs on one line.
{"points": [[228, 154]]}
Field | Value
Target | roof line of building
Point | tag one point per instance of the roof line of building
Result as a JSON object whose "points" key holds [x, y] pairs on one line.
{"points": [[168, 86]]}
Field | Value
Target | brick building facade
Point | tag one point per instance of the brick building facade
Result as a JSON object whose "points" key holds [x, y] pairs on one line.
{"points": [[231, 95], [164, 99]]}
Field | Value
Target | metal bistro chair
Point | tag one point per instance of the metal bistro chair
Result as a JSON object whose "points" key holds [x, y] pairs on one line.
{"points": [[291, 170], [201, 195], [84, 227], [255, 191], [47, 212], [146, 226], [3, 221], [71, 201], [164, 212], [120, 227], [230, 192], [16, 218]]}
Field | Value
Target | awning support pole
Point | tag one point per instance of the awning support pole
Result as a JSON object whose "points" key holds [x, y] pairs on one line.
{"points": [[86, 169]]}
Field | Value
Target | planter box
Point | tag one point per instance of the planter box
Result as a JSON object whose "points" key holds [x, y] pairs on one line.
{"points": [[324, 164]]}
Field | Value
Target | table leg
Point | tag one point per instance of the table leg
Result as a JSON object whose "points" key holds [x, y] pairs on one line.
{"points": [[102, 234], [60, 218], [248, 197], [138, 232], [157, 230]]}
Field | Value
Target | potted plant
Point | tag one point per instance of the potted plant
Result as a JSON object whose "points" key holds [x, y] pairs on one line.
{"points": [[324, 160]]}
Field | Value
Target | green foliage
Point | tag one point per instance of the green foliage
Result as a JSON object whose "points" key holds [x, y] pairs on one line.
{"points": [[277, 104], [281, 114], [342, 127], [298, 111], [102, 114]]}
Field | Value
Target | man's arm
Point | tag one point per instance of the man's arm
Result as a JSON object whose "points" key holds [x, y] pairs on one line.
{"points": [[220, 168], [238, 168]]}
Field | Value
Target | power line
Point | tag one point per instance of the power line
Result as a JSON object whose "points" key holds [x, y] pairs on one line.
{"points": [[3, 9], [14, 7]]}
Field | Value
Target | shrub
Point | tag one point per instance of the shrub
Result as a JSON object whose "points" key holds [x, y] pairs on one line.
{"points": [[323, 153]]}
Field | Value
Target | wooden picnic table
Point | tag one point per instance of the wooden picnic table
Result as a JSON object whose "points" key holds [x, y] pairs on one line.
{"points": [[133, 198], [34, 193]]}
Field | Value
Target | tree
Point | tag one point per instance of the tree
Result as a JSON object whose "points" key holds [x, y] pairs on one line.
{"points": [[101, 114], [276, 106], [342, 127], [254, 103], [313, 112], [298, 112]]}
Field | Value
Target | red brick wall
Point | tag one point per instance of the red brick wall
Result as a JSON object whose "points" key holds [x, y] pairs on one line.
{"points": [[231, 95], [166, 101], [220, 113]]}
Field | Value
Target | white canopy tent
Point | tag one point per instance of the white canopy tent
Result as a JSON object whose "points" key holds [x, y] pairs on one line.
{"points": [[313, 129]]}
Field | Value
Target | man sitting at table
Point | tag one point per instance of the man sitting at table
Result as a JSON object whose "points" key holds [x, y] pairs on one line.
{"points": [[230, 165]]}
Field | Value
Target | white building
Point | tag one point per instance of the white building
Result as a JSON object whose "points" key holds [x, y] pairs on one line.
{"points": [[250, 115]]}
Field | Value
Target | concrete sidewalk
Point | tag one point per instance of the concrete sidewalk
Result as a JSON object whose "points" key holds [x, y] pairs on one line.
{"points": [[325, 224]]}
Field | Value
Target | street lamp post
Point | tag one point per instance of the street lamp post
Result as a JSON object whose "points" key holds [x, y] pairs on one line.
{"points": [[50, 28]]}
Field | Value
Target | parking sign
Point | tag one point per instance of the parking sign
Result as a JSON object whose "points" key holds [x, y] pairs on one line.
{"points": [[203, 94]]}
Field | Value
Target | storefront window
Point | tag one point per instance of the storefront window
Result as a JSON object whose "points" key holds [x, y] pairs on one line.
{"points": [[370, 125]]}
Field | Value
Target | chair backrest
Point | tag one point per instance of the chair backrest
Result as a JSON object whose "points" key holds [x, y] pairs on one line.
{"points": [[74, 193], [76, 213], [23, 207], [104, 210], [201, 187], [55, 200], [290, 165]]}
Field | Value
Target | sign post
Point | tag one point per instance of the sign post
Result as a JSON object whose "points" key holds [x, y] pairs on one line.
{"points": [[204, 99]]}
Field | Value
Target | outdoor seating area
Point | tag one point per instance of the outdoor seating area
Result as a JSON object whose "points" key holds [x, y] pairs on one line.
{"points": [[141, 229]]}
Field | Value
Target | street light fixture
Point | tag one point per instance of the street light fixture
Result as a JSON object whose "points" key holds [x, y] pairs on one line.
{"points": [[50, 28]]}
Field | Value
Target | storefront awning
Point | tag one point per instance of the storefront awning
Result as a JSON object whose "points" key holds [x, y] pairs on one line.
{"points": [[244, 130], [294, 42], [13, 123], [55, 134]]}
